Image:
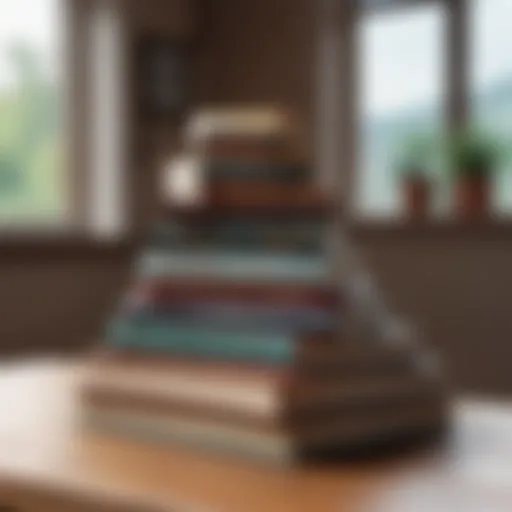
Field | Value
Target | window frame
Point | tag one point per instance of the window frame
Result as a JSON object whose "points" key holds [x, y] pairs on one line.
{"points": [[457, 44], [457, 106], [76, 224]]}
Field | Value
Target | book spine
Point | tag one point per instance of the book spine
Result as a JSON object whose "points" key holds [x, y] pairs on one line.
{"points": [[216, 264], [244, 171], [235, 236], [242, 412], [292, 295], [187, 340], [261, 193], [273, 448], [250, 316], [280, 207], [182, 390], [251, 149]]}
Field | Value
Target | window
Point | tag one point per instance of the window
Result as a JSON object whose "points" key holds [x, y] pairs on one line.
{"points": [[491, 81], [62, 142], [401, 62], [32, 184]]}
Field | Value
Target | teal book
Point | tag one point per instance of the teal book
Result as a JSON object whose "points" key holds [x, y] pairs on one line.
{"points": [[182, 339], [228, 265], [234, 315], [299, 237]]}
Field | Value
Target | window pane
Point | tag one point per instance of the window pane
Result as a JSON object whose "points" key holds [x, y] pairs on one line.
{"points": [[31, 180], [402, 95], [491, 79]]}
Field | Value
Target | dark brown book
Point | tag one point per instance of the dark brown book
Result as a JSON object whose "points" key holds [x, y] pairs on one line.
{"points": [[278, 294], [258, 172], [254, 148], [348, 359], [264, 194], [288, 201], [427, 409]]}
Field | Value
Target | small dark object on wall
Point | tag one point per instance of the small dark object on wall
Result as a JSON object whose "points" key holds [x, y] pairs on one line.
{"points": [[161, 76]]}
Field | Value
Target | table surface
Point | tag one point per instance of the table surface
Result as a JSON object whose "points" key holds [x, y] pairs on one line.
{"points": [[40, 442]]}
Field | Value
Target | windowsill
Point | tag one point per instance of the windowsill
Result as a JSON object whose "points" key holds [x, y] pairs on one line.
{"points": [[446, 229], [62, 243], [81, 245]]}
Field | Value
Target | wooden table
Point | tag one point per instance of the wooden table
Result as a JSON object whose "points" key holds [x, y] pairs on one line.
{"points": [[43, 452]]}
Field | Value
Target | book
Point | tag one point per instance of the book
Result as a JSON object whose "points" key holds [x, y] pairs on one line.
{"points": [[286, 294], [264, 194], [250, 148], [291, 418], [256, 132], [234, 265], [250, 205], [184, 338], [348, 359], [265, 445], [249, 121], [283, 400], [232, 234], [231, 170], [232, 315]]}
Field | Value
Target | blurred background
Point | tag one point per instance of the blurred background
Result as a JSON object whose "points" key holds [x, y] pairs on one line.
{"points": [[401, 100]]}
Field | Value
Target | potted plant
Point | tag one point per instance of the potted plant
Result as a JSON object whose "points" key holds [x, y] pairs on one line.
{"points": [[415, 175], [474, 158]]}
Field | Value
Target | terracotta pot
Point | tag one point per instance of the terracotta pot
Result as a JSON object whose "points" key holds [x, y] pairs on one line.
{"points": [[417, 194], [472, 197]]}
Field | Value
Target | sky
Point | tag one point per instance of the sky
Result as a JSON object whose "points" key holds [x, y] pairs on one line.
{"points": [[35, 21], [402, 54]]}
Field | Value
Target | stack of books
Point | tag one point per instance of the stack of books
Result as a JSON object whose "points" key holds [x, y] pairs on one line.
{"points": [[231, 337]]}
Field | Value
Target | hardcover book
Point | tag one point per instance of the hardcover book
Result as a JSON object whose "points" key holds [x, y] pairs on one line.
{"points": [[232, 234], [265, 445], [348, 359], [252, 205], [286, 294], [189, 339], [254, 172], [218, 314], [283, 399], [217, 264]]}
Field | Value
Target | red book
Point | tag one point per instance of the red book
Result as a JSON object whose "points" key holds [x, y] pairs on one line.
{"points": [[289, 294]]}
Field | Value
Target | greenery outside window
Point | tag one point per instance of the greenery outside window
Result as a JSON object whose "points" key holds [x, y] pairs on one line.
{"points": [[33, 188]]}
